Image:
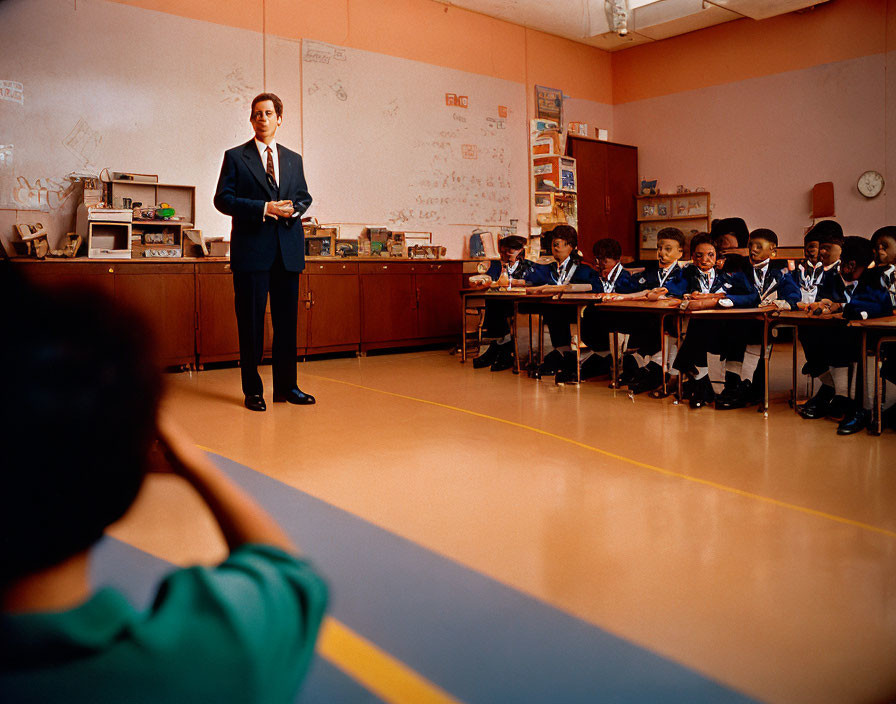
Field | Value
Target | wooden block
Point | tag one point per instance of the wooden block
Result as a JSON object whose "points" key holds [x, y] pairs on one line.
{"points": [[823, 200]]}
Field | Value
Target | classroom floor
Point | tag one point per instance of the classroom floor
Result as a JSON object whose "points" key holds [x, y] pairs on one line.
{"points": [[755, 555]]}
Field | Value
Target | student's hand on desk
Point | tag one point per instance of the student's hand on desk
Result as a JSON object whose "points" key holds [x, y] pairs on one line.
{"points": [[697, 295], [668, 302], [656, 294]]}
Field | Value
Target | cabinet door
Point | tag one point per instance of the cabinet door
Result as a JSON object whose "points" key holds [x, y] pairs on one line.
{"points": [[439, 304], [76, 274], [622, 187], [218, 339], [168, 302], [335, 311], [388, 307], [591, 198]]}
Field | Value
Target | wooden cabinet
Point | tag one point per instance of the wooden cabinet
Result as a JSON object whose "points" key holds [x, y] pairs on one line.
{"points": [[607, 186], [329, 308], [404, 303], [166, 296], [63, 273], [217, 339]]}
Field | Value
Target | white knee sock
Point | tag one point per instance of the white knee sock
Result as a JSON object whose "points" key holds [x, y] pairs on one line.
{"points": [[734, 367], [656, 358], [504, 340], [751, 361], [702, 372], [563, 348], [841, 380], [639, 359], [826, 378]]}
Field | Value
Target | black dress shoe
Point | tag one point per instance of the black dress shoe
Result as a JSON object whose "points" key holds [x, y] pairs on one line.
{"points": [[630, 370], [650, 378], [858, 420], [486, 358], [818, 405], [503, 359], [553, 362], [738, 398], [255, 403], [703, 392], [596, 365], [840, 407], [568, 374], [295, 396]]}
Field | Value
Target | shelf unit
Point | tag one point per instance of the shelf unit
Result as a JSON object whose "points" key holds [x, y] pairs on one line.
{"points": [[157, 238], [689, 212]]}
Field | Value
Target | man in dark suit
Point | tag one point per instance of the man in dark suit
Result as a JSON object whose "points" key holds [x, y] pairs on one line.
{"points": [[262, 187]]}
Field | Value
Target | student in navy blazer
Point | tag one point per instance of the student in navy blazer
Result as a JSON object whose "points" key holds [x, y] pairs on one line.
{"points": [[262, 187]]}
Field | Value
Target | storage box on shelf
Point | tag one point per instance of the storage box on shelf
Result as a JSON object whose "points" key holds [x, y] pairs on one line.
{"points": [[154, 237], [689, 212]]}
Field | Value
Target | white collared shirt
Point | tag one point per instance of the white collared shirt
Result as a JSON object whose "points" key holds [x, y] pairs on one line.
{"points": [[759, 274], [706, 279], [609, 283], [664, 273], [262, 152], [567, 267]]}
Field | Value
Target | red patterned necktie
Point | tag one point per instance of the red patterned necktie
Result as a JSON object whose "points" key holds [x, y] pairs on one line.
{"points": [[270, 167]]}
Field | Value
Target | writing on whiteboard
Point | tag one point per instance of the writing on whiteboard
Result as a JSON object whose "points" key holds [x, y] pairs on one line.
{"points": [[12, 91]]}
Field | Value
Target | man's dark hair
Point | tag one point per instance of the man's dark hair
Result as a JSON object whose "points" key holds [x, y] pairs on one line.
{"points": [[77, 416], [607, 248], [858, 250], [702, 238], [261, 97], [886, 231], [730, 226], [671, 233], [763, 233], [824, 232]]}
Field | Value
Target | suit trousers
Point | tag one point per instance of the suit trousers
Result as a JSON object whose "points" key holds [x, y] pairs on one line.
{"points": [[251, 289]]}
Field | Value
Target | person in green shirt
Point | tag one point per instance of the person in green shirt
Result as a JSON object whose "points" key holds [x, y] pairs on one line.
{"points": [[79, 423]]}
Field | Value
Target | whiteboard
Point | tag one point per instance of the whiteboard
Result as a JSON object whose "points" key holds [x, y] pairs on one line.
{"points": [[383, 146]]}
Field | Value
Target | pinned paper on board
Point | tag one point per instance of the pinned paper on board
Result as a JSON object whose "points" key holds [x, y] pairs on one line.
{"points": [[12, 91], [83, 141]]}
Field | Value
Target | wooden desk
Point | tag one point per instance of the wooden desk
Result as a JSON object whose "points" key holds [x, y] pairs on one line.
{"points": [[886, 325]]}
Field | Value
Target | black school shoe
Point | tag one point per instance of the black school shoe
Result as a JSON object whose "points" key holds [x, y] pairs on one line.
{"points": [[854, 421], [840, 407], [630, 370], [553, 362], [486, 358], [703, 392], [568, 373], [739, 397], [503, 358], [818, 405], [596, 365], [650, 378]]}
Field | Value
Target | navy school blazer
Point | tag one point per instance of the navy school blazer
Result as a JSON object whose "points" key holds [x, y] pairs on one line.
{"points": [[546, 274], [525, 270], [875, 296], [676, 283], [778, 283], [243, 189], [734, 284]]}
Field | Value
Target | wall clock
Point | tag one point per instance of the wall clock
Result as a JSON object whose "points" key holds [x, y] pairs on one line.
{"points": [[870, 184]]}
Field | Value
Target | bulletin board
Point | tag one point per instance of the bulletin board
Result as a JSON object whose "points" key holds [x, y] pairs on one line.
{"points": [[411, 145]]}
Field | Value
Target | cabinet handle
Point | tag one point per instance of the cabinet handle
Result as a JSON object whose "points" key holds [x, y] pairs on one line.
{"points": [[608, 205], [385, 266], [111, 270]]}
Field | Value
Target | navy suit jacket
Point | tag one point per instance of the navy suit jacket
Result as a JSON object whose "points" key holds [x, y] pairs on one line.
{"points": [[675, 282], [734, 284], [243, 190], [583, 274], [525, 270], [875, 295]]}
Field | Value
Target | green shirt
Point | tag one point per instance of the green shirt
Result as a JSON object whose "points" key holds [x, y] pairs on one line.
{"points": [[243, 631]]}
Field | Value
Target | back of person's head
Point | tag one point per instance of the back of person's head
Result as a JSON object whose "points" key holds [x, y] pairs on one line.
{"points": [[763, 233], [671, 233], [730, 226], [77, 416], [822, 231], [826, 231], [607, 248], [857, 250], [566, 233]]}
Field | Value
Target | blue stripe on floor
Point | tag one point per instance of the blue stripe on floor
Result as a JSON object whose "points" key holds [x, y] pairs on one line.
{"points": [[476, 638]]}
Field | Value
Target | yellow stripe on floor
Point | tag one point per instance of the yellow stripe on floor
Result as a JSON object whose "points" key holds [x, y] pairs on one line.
{"points": [[390, 679], [622, 458]]}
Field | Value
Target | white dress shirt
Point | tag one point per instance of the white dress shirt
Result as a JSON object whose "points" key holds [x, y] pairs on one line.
{"points": [[262, 152]]}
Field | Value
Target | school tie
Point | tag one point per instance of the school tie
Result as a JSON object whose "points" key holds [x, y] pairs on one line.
{"points": [[270, 169], [704, 282]]}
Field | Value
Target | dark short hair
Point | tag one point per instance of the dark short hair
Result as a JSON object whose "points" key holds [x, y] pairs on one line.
{"points": [[763, 233], [702, 238], [607, 248], [858, 250], [77, 416], [671, 233], [730, 226], [825, 231], [567, 233], [886, 231], [261, 97]]}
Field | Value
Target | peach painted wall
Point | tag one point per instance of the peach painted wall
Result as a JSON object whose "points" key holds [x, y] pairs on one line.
{"points": [[758, 112]]}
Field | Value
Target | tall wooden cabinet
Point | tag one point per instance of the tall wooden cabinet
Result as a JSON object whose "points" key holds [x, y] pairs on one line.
{"points": [[607, 188]]}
